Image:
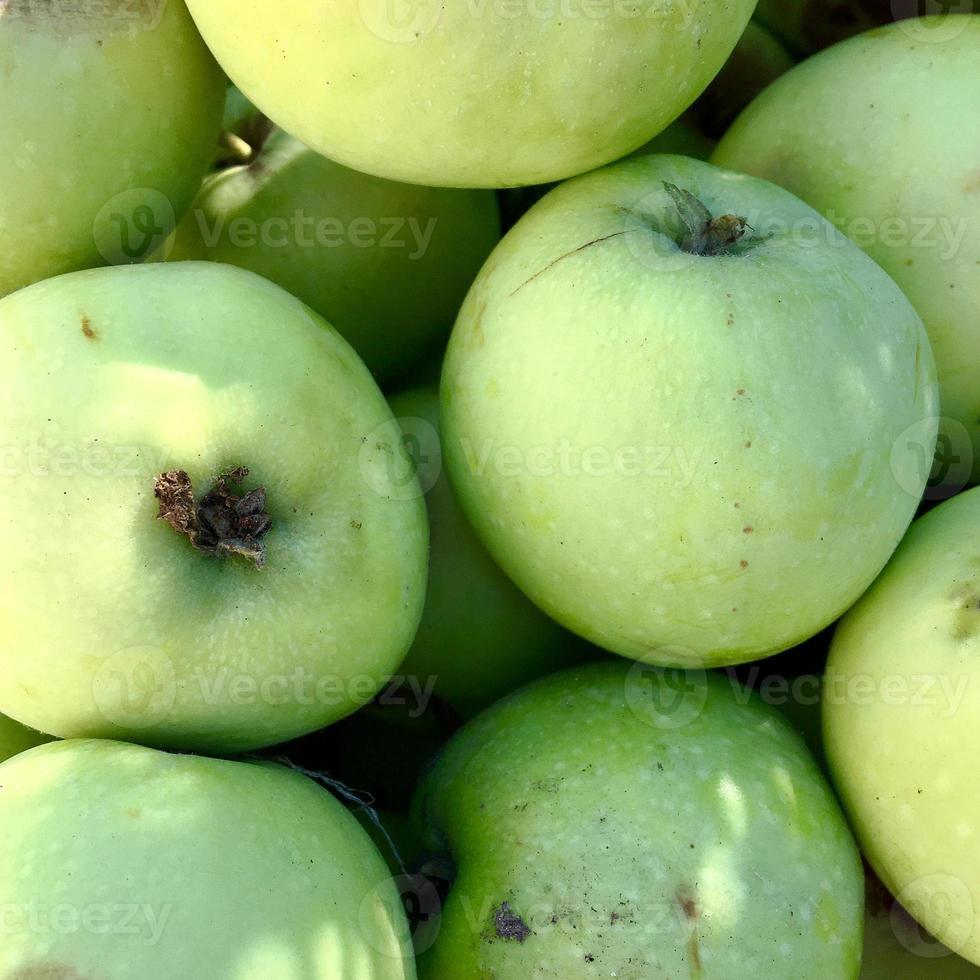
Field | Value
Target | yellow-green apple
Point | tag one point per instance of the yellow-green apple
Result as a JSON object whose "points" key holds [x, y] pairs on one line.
{"points": [[118, 861], [901, 712], [388, 264], [836, 131], [686, 416], [492, 94], [638, 823], [109, 114], [204, 543]]}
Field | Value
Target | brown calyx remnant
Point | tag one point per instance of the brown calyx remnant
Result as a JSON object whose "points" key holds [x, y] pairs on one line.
{"points": [[706, 235], [221, 522], [508, 925]]}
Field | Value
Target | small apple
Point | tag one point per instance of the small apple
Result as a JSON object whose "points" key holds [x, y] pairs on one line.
{"points": [[480, 637], [388, 264], [118, 861], [16, 738], [901, 713], [682, 412], [108, 118], [205, 543], [495, 94], [630, 822], [860, 132]]}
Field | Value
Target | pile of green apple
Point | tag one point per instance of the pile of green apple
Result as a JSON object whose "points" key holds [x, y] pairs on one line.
{"points": [[485, 490]]}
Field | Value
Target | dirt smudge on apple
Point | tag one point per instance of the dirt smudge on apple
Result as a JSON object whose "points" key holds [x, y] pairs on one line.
{"points": [[87, 328], [46, 971], [687, 901], [508, 925]]}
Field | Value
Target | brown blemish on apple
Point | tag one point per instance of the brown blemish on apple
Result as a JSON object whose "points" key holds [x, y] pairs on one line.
{"points": [[221, 522], [87, 328], [748, 529], [570, 252], [508, 925], [45, 971], [689, 907], [966, 616], [972, 185], [743, 564]]}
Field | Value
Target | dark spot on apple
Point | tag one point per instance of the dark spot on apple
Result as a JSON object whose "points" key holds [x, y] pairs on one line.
{"points": [[743, 564], [748, 445], [221, 522], [966, 612], [741, 391], [508, 925], [687, 901], [589, 958], [45, 971], [748, 529], [87, 329]]}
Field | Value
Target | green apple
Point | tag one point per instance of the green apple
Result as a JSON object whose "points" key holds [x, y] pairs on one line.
{"points": [[16, 738], [897, 948], [630, 822], [154, 420], [480, 636], [861, 132], [108, 118], [901, 707], [494, 94], [388, 264], [685, 415], [118, 861]]}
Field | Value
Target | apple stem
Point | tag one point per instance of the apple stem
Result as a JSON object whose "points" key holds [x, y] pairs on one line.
{"points": [[221, 522], [706, 235]]}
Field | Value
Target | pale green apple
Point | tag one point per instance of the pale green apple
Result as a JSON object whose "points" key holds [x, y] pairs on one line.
{"points": [[901, 707], [135, 393], [687, 458], [494, 94], [388, 264], [118, 862], [480, 636], [896, 947], [108, 118], [16, 738], [880, 134], [616, 821]]}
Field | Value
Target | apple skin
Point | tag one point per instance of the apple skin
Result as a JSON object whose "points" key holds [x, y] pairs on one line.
{"points": [[689, 460], [480, 636], [471, 96], [104, 119], [113, 625], [16, 738], [395, 300], [640, 824], [118, 861], [903, 759], [836, 131]]}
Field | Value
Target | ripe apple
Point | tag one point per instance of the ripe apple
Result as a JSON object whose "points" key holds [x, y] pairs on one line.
{"points": [[16, 738], [836, 131], [901, 707], [388, 264], [480, 636], [118, 861], [638, 823], [203, 395], [108, 118], [495, 94], [687, 458]]}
